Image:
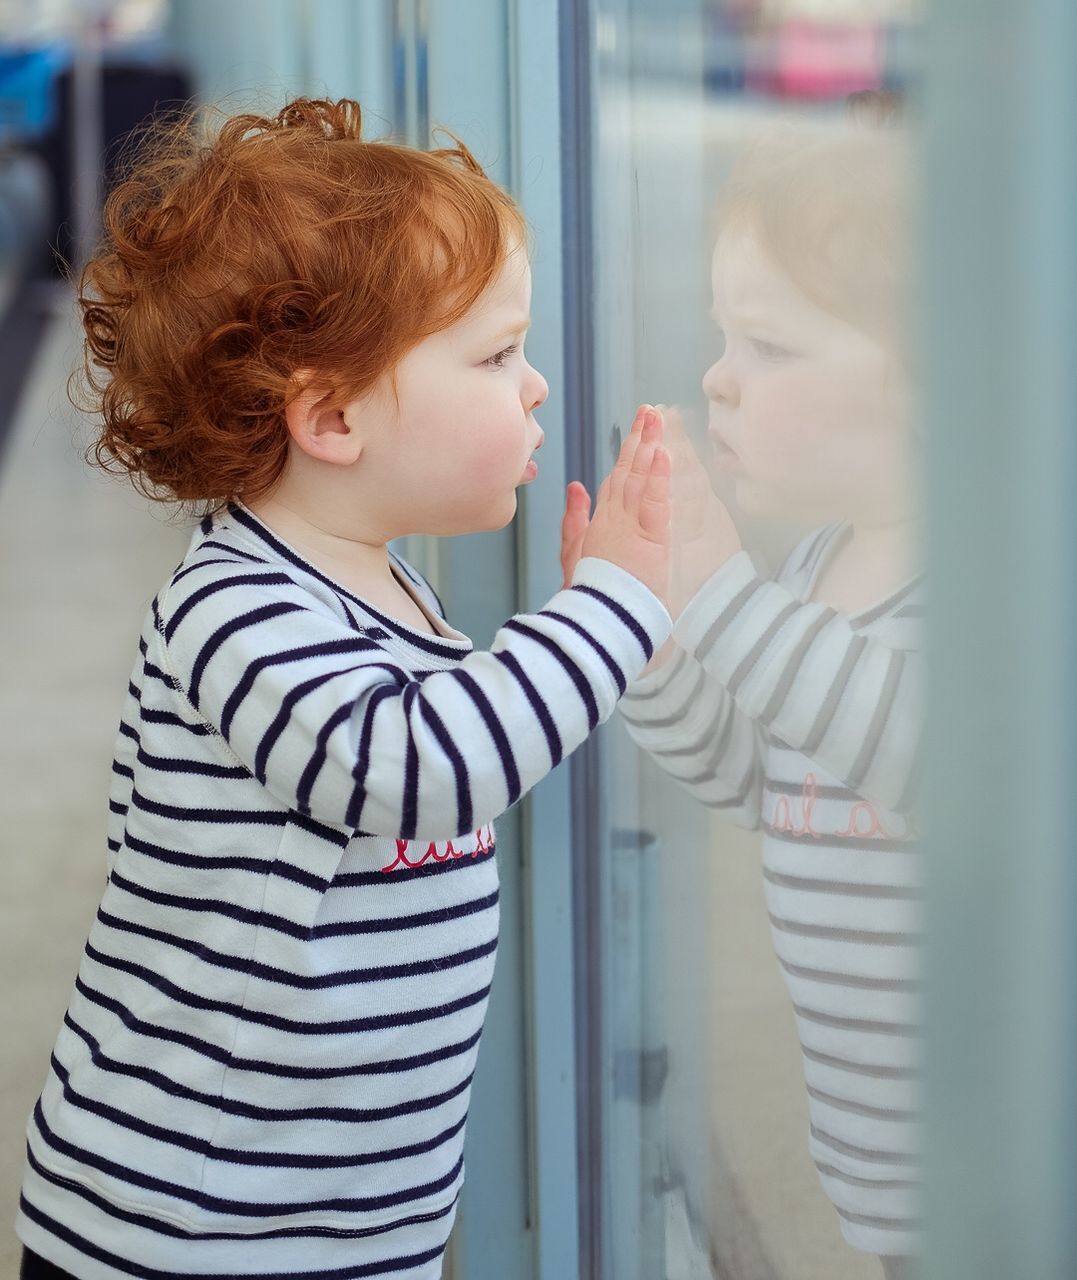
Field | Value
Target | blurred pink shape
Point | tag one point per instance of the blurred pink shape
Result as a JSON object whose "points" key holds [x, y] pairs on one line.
{"points": [[824, 60]]}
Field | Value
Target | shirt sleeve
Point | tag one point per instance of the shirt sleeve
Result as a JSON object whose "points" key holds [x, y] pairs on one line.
{"points": [[693, 730], [797, 672], [334, 726]]}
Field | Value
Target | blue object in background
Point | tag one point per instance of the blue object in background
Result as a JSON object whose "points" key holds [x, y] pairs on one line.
{"points": [[27, 92]]}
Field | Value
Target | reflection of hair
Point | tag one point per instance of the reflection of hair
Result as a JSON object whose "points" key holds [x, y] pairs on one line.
{"points": [[830, 205], [229, 262]]}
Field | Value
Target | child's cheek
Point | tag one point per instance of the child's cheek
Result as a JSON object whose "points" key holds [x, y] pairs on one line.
{"points": [[778, 422], [484, 463], [801, 409]]}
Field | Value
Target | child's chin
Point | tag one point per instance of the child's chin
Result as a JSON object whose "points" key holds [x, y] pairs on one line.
{"points": [[509, 511], [753, 501], [493, 518], [505, 511]]}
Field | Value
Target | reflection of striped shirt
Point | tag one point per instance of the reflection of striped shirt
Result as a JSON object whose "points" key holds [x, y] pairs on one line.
{"points": [[266, 1063], [803, 722]]}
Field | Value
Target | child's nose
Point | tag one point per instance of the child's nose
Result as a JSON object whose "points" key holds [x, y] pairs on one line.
{"points": [[537, 390], [719, 384]]}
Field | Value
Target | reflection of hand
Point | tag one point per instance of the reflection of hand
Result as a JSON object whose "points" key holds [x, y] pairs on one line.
{"points": [[704, 535]]}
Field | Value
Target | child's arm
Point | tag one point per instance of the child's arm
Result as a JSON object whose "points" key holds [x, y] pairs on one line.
{"points": [[695, 732], [797, 672], [334, 727]]}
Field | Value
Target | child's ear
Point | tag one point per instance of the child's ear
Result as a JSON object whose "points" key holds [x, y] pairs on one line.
{"points": [[316, 422]]}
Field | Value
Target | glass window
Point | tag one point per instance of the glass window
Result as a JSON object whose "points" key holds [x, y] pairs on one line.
{"points": [[760, 885]]}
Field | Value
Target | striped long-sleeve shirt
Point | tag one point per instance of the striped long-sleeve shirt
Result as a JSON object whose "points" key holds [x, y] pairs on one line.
{"points": [[266, 1062], [791, 718]]}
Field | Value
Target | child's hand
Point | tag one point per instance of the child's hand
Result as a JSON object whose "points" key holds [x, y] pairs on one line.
{"points": [[631, 523], [704, 535]]}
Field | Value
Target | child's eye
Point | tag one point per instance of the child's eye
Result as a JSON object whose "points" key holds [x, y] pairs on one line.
{"points": [[769, 350], [498, 361]]}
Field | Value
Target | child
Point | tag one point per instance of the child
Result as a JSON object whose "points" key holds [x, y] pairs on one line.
{"points": [[265, 1065], [793, 705]]}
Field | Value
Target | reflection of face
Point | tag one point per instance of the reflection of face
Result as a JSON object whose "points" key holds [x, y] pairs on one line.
{"points": [[455, 451], [812, 409]]}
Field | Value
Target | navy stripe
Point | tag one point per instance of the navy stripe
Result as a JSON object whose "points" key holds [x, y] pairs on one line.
{"points": [[611, 666], [620, 612], [464, 809], [152, 716], [154, 672], [583, 687], [272, 578], [415, 576], [255, 1159], [202, 768], [375, 1022], [816, 545], [319, 755], [238, 1208], [280, 720], [302, 981], [409, 803], [497, 732], [259, 866], [724, 619], [903, 893], [862, 1026], [265, 613], [362, 763], [255, 817], [678, 715], [233, 1106], [416, 639], [349, 644], [199, 564], [549, 728], [343, 928], [161, 1227], [261, 1066], [233, 550], [277, 867]]}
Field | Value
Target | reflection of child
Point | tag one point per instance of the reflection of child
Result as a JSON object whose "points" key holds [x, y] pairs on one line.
{"points": [[793, 705], [266, 1063]]}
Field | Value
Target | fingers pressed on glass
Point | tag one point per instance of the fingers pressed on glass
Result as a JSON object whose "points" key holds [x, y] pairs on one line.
{"points": [[654, 511], [641, 460]]}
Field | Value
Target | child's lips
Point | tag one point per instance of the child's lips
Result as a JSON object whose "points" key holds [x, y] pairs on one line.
{"points": [[725, 457], [531, 470]]}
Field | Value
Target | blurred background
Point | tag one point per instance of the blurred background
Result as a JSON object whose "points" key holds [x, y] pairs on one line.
{"points": [[640, 1108]]}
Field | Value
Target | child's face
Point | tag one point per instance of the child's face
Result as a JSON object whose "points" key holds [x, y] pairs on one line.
{"points": [[811, 412], [455, 451]]}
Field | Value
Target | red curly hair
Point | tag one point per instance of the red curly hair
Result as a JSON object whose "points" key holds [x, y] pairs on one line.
{"points": [[229, 262]]}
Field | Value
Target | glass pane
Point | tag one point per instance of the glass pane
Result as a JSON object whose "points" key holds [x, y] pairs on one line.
{"points": [[761, 874]]}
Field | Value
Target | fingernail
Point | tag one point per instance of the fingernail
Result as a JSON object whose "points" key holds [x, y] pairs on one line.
{"points": [[650, 418]]}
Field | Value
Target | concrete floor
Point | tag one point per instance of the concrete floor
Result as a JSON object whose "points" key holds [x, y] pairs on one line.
{"points": [[82, 556]]}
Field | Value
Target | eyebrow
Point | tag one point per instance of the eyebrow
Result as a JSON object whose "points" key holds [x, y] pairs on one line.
{"points": [[745, 317], [519, 326]]}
